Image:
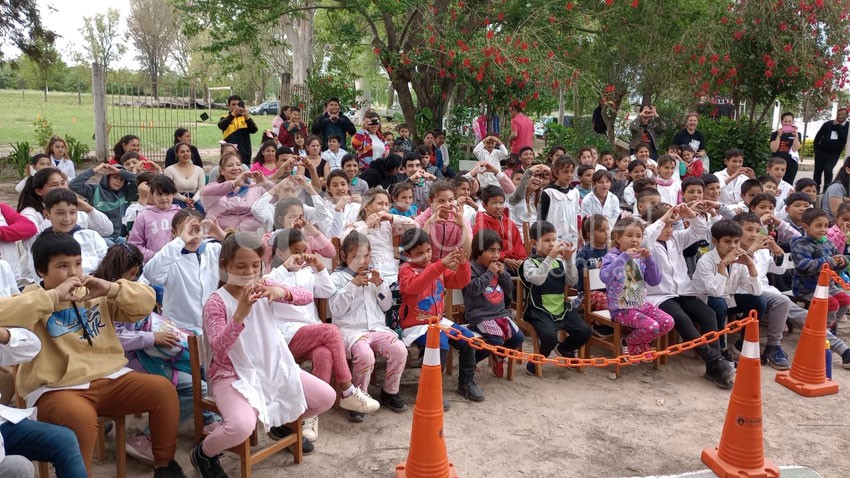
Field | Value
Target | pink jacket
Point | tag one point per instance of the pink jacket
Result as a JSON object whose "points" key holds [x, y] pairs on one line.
{"points": [[222, 333], [232, 209], [152, 230], [446, 236], [837, 237]]}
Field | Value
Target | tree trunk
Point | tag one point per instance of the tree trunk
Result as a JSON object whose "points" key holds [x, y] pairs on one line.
{"points": [[405, 101], [299, 36]]}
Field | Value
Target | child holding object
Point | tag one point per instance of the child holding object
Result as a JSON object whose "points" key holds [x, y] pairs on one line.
{"points": [[626, 270]]}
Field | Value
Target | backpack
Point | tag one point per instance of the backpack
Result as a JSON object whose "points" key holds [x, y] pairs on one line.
{"points": [[597, 121], [165, 361]]}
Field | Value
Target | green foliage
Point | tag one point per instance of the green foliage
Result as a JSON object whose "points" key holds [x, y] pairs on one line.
{"points": [[20, 157], [322, 87], [424, 121], [574, 138], [77, 150], [724, 134], [43, 130], [807, 150], [460, 140]]}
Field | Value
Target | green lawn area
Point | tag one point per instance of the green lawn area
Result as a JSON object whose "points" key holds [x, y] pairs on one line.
{"points": [[155, 127]]}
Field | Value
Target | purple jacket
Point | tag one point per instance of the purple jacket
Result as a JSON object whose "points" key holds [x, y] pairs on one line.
{"points": [[152, 230], [626, 279]]}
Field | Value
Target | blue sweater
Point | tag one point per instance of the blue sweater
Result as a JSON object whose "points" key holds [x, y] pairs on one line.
{"points": [[809, 256]]}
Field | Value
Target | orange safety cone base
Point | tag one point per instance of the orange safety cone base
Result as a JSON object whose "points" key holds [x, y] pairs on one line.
{"points": [[401, 471], [725, 470], [806, 389]]}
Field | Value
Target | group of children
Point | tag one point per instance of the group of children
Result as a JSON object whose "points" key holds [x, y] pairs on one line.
{"points": [[119, 274]]}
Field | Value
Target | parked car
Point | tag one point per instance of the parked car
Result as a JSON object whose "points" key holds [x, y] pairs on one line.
{"points": [[266, 108], [544, 121]]}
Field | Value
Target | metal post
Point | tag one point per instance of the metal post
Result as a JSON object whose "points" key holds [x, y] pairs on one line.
{"points": [[99, 94]]}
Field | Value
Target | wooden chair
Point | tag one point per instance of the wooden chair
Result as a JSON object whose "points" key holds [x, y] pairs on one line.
{"points": [[100, 445], [322, 304], [246, 457], [593, 282]]}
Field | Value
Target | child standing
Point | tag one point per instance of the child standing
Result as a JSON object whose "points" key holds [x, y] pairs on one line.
{"points": [[601, 201], [493, 217], [358, 305], [558, 204], [253, 376], [486, 296], [152, 229], [585, 180], [546, 279], [334, 154], [626, 270], [57, 148]]}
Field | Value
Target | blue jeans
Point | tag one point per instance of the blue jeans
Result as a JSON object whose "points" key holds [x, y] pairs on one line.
{"points": [[40, 441], [744, 303]]}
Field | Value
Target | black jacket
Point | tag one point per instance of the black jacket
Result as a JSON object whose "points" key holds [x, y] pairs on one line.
{"points": [[325, 128], [171, 157], [831, 147], [238, 135]]}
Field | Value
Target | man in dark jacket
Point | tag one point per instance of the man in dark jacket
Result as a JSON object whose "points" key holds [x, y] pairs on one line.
{"points": [[237, 127], [333, 123], [830, 140]]}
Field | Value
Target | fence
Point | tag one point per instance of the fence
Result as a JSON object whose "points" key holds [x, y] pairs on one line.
{"points": [[299, 95]]}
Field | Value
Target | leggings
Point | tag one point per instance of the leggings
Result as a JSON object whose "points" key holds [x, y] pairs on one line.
{"points": [[239, 418], [385, 344], [647, 322], [322, 345]]}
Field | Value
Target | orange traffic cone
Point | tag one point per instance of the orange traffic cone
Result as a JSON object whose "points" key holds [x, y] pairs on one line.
{"points": [[808, 370], [741, 450], [427, 457]]}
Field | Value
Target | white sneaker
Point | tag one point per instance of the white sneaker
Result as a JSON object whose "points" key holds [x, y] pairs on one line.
{"points": [[139, 447], [359, 401], [310, 429]]}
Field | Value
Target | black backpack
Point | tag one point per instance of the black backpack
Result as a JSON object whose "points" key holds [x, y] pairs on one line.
{"points": [[598, 122]]}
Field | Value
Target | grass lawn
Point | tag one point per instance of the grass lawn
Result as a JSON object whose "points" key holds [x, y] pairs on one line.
{"points": [[155, 127]]}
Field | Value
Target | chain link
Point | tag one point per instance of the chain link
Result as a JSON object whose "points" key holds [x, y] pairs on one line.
{"points": [[837, 278], [478, 343]]}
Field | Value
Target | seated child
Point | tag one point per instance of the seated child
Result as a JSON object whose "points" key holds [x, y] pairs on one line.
{"points": [[111, 195], [465, 200], [358, 306], [444, 223], [81, 371], [525, 201], [795, 205], [626, 271], [546, 278], [152, 228], [144, 200], [334, 154], [289, 213], [621, 176], [493, 217], [594, 232], [402, 196], [693, 165], [585, 180], [763, 205], [809, 253], [423, 285], [485, 298], [647, 198], [37, 163], [838, 233], [667, 185], [601, 201], [637, 170], [732, 177], [776, 169], [345, 207], [416, 175], [711, 193], [749, 189], [24, 438], [358, 187], [60, 208], [808, 186]]}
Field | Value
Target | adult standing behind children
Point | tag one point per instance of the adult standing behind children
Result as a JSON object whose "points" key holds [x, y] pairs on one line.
{"points": [[836, 193], [829, 141], [522, 129], [785, 143], [691, 136], [645, 129], [237, 127], [332, 123]]}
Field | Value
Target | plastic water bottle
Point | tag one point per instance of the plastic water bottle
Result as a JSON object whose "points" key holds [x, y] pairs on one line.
{"points": [[828, 361]]}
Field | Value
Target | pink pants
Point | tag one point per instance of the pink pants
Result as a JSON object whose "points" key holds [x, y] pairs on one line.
{"points": [[363, 353], [239, 418], [647, 322], [322, 345], [837, 300]]}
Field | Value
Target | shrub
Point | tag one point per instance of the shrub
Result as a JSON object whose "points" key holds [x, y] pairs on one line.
{"points": [[43, 130], [723, 134], [20, 157], [574, 137], [77, 151]]}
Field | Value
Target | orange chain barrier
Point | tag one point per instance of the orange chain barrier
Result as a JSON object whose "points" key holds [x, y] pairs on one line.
{"points": [[837, 278], [479, 344]]}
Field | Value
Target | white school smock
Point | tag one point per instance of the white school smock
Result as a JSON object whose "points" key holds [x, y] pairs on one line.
{"points": [[709, 283], [730, 193], [342, 219], [563, 213], [611, 209], [381, 239], [765, 264], [668, 255], [358, 310], [319, 214], [293, 317]]}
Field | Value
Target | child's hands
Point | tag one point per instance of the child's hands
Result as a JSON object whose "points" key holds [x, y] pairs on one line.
{"points": [[452, 260], [96, 287], [294, 262], [670, 216], [246, 302], [513, 263], [774, 247], [374, 220], [314, 261], [191, 232], [84, 206], [684, 211], [745, 259], [556, 249], [165, 339], [65, 290], [271, 293], [375, 277], [643, 253], [759, 243], [211, 228], [567, 249], [360, 279], [840, 261], [496, 268]]}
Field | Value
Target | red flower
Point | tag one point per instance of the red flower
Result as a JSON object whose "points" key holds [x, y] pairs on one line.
{"points": [[609, 2], [490, 34], [501, 16], [635, 3], [569, 5], [678, 48], [610, 89], [787, 47], [702, 60], [768, 74]]}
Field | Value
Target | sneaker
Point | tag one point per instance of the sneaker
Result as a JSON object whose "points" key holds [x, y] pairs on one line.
{"points": [[776, 357], [727, 356], [565, 353], [446, 404], [356, 417], [393, 401], [208, 467], [310, 428], [602, 331], [531, 369], [845, 359], [471, 391], [173, 470], [307, 448], [139, 447], [498, 365], [281, 432], [359, 401], [721, 372]]}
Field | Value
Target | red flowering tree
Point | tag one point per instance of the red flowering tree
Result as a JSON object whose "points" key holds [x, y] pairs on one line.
{"points": [[758, 51]]}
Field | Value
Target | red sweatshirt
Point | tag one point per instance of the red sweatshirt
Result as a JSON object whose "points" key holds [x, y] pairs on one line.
{"points": [[423, 292], [512, 245], [17, 228]]}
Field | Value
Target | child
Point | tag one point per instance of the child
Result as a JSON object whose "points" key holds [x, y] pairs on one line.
{"points": [[558, 204], [37, 163], [420, 179], [465, 199], [837, 234], [358, 305], [669, 187], [769, 184], [296, 187], [493, 217], [585, 179], [809, 253], [776, 169], [763, 205], [637, 170], [266, 159], [485, 297], [621, 176], [81, 371], [187, 269], [57, 148], [492, 151], [711, 193], [546, 278], [389, 137], [692, 189], [445, 224], [334, 154], [606, 159], [525, 201], [594, 232], [153, 225], [289, 213], [601, 201], [349, 164], [423, 285], [749, 189], [808, 186], [111, 195], [403, 139], [674, 294], [252, 375], [733, 176], [402, 196], [646, 200], [626, 271], [60, 208], [345, 207], [693, 166], [136, 207], [795, 205]]}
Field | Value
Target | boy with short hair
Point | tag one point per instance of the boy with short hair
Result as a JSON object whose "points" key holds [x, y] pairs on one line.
{"points": [[81, 371], [692, 189], [333, 155], [733, 176], [423, 285], [749, 189], [647, 199], [494, 217], [60, 208], [808, 186], [152, 228], [711, 192], [559, 204], [144, 200], [585, 179], [776, 169], [426, 161], [637, 170], [418, 177], [795, 205], [547, 279], [763, 205], [403, 139]]}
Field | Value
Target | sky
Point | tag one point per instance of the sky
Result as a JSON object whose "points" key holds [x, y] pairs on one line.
{"points": [[65, 17]]}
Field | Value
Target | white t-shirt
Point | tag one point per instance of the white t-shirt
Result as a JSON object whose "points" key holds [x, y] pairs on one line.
{"points": [[378, 146]]}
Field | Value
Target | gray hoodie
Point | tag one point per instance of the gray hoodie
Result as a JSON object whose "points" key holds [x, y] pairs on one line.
{"points": [[484, 297], [110, 202]]}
